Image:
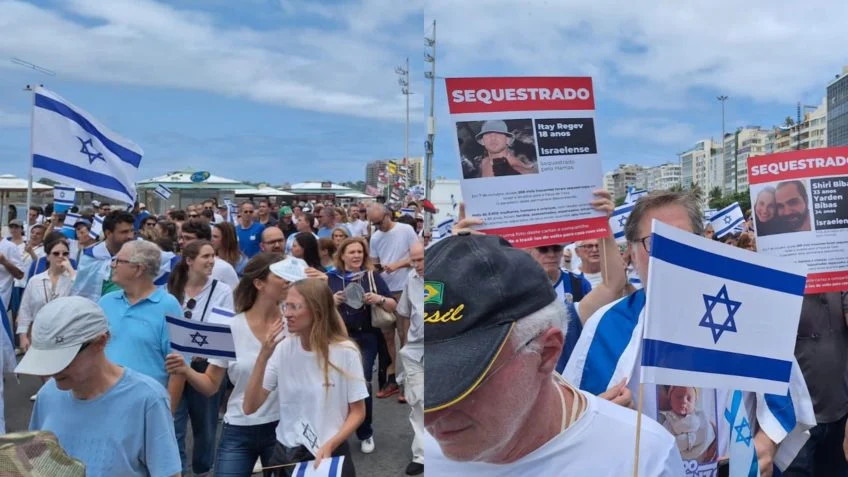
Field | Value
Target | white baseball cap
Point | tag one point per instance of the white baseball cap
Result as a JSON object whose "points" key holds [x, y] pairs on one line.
{"points": [[291, 269], [59, 330]]}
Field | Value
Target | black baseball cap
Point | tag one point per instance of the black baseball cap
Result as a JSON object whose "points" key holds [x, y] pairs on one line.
{"points": [[475, 288]]}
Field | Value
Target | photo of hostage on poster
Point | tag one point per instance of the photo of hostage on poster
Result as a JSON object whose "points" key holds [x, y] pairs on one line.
{"points": [[800, 211], [527, 151]]}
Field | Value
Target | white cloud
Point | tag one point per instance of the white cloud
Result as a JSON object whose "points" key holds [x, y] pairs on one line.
{"points": [[13, 120], [347, 70], [764, 50]]}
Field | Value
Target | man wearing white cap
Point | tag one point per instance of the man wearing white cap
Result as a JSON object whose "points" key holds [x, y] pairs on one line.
{"points": [[88, 392]]}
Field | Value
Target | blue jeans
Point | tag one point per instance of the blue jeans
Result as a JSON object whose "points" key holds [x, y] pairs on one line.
{"points": [[240, 446], [368, 342], [203, 412], [822, 455]]}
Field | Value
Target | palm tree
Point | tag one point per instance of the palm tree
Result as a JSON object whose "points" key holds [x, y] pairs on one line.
{"points": [[789, 122]]}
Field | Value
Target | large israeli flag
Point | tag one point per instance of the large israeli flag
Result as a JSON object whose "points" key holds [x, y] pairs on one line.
{"points": [[207, 340], [70, 146], [727, 219], [617, 221], [718, 316]]}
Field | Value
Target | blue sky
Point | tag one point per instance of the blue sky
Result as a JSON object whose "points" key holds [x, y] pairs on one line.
{"points": [[262, 90], [290, 90], [657, 66]]}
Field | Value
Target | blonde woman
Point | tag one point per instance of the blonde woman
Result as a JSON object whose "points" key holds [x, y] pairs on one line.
{"points": [[317, 376]]}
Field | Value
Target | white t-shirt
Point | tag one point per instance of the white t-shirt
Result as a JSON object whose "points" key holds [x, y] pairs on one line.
{"points": [[389, 247], [10, 251], [359, 228], [298, 380], [221, 297], [225, 273], [599, 444], [247, 350], [594, 278]]}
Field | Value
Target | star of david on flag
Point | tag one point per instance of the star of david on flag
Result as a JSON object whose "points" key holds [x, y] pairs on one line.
{"points": [[70, 146], [708, 321], [207, 340], [63, 198], [719, 316], [618, 220]]}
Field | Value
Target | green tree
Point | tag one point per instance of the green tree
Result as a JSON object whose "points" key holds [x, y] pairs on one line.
{"points": [[789, 122]]}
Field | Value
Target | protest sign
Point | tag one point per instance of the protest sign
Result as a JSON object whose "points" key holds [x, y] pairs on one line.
{"points": [[800, 210], [528, 157]]}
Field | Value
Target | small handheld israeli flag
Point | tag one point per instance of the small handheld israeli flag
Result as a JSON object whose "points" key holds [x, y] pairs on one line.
{"points": [[70, 220], [726, 219], [221, 316], [618, 219], [206, 340], [329, 467], [162, 191], [72, 147], [444, 228], [232, 210], [633, 195], [743, 454], [717, 316], [407, 211], [97, 226], [63, 198]]}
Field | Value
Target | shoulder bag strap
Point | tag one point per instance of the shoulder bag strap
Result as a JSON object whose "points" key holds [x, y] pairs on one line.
{"points": [[208, 299]]}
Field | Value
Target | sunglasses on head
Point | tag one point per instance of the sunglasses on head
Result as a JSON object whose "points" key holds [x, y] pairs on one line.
{"points": [[190, 304], [549, 248]]}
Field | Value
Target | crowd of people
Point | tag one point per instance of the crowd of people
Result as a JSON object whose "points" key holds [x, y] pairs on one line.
{"points": [[299, 286]]}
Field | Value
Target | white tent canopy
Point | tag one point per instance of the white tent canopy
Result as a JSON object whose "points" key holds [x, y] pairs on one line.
{"points": [[8, 182], [264, 192]]}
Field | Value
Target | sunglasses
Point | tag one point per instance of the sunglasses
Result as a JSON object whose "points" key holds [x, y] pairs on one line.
{"points": [[192, 216], [190, 304], [60, 254], [550, 248]]}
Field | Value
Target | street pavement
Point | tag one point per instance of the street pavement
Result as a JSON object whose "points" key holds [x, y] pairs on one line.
{"points": [[392, 431]]}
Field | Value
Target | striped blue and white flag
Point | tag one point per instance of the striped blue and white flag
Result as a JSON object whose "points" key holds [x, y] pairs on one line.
{"points": [[71, 220], [63, 198], [220, 315], [97, 226], [726, 219], [162, 191], [633, 195], [743, 454], [618, 219], [719, 317], [329, 467], [708, 213], [407, 211], [443, 228], [206, 340], [70, 146]]}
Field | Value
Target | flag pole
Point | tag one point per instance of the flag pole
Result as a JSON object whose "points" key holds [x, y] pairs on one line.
{"points": [[29, 177], [638, 430]]}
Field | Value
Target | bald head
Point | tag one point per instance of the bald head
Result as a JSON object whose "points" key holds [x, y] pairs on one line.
{"points": [[273, 240], [416, 256]]}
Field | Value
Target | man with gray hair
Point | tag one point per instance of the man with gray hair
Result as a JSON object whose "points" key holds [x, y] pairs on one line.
{"points": [[137, 312], [113, 419], [495, 406]]}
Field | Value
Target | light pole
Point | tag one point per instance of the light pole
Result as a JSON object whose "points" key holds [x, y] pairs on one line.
{"points": [[403, 81], [430, 57], [722, 99]]}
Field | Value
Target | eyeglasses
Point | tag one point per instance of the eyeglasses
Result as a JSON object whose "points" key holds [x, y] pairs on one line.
{"points": [[590, 246], [503, 365], [151, 224], [190, 304], [60, 254], [646, 243], [362, 211], [116, 261], [549, 248], [192, 216], [84, 346], [292, 306]]}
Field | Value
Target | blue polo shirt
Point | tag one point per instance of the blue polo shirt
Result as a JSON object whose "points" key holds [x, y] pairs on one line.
{"points": [[250, 238], [139, 335]]}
